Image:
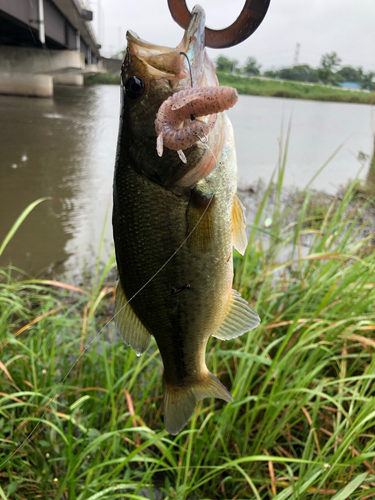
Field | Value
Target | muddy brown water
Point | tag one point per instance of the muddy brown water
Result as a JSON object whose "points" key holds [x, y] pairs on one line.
{"points": [[64, 148]]}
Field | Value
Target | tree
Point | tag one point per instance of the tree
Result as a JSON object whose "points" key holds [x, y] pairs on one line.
{"points": [[330, 61], [368, 83], [350, 74], [224, 64], [234, 65], [299, 73], [271, 73], [251, 67], [328, 64], [119, 55]]}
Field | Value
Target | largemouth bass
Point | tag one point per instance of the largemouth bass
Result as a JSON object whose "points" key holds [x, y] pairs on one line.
{"points": [[175, 224]]}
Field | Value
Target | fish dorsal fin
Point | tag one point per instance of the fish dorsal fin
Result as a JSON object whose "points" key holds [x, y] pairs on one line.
{"points": [[239, 318], [239, 226], [130, 328], [199, 220], [184, 101]]}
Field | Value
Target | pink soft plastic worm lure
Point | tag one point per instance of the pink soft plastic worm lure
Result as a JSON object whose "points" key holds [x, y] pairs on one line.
{"points": [[188, 104]]}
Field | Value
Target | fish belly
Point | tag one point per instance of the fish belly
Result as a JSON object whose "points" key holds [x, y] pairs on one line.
{"points": [[186, 290]]}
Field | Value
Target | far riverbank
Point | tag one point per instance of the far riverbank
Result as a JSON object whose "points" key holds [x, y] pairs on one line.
{"points": [[271, 88], [65, 148]]}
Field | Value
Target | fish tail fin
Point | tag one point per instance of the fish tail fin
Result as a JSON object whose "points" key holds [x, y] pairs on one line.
{"points": [[179, 402]]}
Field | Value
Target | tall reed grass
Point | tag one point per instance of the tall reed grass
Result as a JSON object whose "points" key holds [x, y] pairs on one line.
{"points": [[81, 415]]}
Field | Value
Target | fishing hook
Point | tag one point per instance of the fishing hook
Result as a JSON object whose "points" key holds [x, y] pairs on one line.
{"points": [[247, 22], [188, 60], [205, 141]]}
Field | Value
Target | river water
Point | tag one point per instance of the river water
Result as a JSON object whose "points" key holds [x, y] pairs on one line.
{"points": [[64, 148]]}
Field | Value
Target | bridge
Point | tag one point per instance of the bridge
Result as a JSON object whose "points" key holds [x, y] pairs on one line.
{"points": [[45, 42]]}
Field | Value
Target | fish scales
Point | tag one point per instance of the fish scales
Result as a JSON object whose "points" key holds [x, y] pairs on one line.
{"points": [[175, 225], [156, 219]]}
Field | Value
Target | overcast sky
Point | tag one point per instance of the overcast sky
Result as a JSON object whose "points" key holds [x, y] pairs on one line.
{"points": [[319, 26]]}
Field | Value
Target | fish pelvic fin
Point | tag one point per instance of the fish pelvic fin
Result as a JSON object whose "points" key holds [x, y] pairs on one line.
{"points": [[239, 318], [131, 330], [179, 401]]}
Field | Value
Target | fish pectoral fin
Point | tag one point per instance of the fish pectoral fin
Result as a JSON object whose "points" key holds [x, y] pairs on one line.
{"points": [[239, 226], [179, 402], [132, 331], [199, 217], [239, 318]]}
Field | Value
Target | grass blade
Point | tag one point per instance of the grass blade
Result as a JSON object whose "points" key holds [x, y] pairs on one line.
{"points": [[19, 221], [350, 487]]}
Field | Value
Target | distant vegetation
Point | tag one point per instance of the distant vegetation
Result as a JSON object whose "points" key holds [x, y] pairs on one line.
{"points": [[293, 90], [103, 78], [329, 71], [269, 88], [287, 82]]}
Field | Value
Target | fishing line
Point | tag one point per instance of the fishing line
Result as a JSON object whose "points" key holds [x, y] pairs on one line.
{"points": [[52, 400], [208, 147]]}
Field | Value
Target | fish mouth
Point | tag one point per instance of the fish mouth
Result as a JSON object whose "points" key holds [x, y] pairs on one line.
{"points": [[160, 62], [193, 45]]}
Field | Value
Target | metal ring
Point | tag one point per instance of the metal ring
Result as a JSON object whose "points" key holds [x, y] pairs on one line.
{"points": [[247, 22]]}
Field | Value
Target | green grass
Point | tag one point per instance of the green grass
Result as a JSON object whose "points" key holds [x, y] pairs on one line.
{"points": [[293, 90], [81, 414], [270, 88], [103, 78]]}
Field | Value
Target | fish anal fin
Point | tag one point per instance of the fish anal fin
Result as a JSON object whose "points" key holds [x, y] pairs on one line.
{"points": [[239, 318], [179, 401], [239, 226], [199, 220], [129, 326]]}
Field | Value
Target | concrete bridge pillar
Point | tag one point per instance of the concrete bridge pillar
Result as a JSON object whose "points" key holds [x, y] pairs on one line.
{"points": [[31, 72], [68, 79], [24, 84]]}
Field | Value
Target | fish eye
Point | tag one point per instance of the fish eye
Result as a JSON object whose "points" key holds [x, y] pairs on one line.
{"points": [[134, 87]]}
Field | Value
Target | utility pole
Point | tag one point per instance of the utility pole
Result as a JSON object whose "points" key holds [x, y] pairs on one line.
{"points": [[99, 24], [296, 54]]}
